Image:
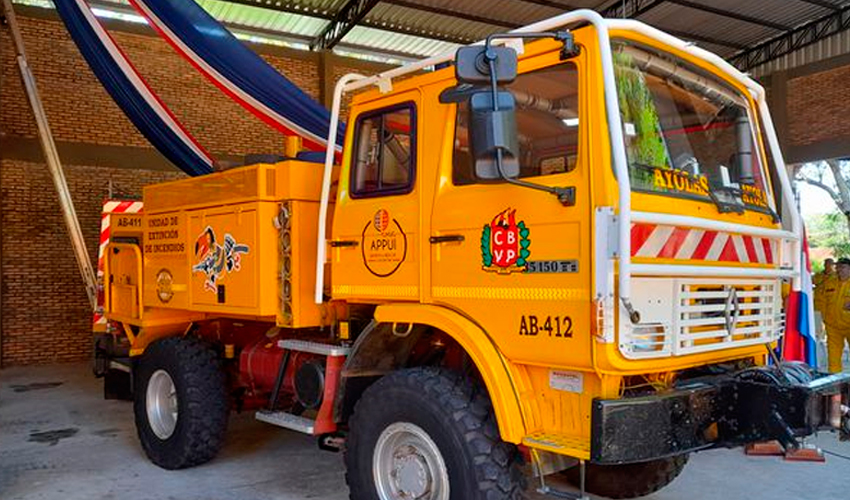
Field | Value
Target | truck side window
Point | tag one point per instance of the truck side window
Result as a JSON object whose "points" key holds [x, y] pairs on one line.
{"points": [[547, 122], [384, 155]]}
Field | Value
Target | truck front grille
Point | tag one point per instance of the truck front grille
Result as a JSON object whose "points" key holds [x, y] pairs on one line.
{"points": [[686, 316]]}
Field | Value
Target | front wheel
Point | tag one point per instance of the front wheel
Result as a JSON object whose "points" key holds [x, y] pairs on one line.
{"points": [[428, 434], [180, 403]]}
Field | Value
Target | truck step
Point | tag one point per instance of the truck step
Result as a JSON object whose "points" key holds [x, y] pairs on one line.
{"points": [[121, 364], [286, 420], [556, 442], [314, 347]]}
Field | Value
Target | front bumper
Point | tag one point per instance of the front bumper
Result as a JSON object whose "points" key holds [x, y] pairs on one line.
{"points": [[722, 412]]}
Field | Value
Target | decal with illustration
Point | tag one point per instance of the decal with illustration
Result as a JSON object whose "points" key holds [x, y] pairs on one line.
{"points": [[505, 244], [216, 260]]}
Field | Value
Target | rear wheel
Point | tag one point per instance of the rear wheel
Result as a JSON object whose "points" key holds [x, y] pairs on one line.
{"points": [[629, 480], [428, 434], [180, 403]]}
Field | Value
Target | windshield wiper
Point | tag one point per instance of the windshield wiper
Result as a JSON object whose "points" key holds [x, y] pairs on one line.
{"points": [[726, 207]]}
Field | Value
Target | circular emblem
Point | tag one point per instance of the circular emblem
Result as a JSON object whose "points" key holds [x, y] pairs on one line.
{"points": [[383, 244], [382, 220], [164, 282]]}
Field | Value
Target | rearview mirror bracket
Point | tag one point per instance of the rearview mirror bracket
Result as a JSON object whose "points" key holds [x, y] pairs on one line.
{"points": [[491, 56]]}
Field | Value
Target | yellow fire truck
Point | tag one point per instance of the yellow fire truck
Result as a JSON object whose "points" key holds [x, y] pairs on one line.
{"points": [[561, 253]]}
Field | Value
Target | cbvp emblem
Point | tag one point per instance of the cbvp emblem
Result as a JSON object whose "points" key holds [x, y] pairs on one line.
{"points": [[504, 244]]}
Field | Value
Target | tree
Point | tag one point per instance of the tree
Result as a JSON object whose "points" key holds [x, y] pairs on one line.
{"points": [[828, 231], [838, 187]]}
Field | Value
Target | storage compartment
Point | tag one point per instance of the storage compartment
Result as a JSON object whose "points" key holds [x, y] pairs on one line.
{"points": [[254, 255]]}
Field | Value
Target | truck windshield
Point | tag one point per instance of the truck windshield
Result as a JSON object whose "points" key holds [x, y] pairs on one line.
{"points": [[688, 134]]}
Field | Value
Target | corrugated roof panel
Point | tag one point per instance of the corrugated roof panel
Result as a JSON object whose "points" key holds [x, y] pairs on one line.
{"points": [[827, 48], [265, 19], [506, 12], [472, 20], [704, 24], [315, 8], [426, 22], [395, 42], [790, 13]]}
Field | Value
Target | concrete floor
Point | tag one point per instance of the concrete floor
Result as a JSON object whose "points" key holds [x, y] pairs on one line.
{"points": [[60, 440]]}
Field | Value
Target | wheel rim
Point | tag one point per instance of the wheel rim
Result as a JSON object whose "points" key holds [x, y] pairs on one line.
{"points": [[161, 403], [407, 465]]}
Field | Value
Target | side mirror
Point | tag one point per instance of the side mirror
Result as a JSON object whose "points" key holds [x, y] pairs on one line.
{"points": [[472, 66], [490, 131]]}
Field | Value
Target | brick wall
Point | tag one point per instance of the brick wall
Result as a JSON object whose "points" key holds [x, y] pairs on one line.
{"points": [[45, 315], [818, 107]]}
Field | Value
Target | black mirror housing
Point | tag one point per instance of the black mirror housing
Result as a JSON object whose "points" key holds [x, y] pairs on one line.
{"points": [[490, 131], [472, 66]]}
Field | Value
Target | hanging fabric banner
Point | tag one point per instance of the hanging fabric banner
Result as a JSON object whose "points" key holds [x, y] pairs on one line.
{"points": [[130, 91]]}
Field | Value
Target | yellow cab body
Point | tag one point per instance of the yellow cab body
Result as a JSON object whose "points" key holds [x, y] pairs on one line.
{"points": [[434, 238]]}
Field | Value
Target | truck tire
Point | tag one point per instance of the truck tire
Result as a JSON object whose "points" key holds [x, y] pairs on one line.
{"points": [[629, 480], [180, 403], [436, 431]]}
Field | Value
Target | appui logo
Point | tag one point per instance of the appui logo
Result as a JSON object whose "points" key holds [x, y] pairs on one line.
{"points": [[504, 244], [382, 220]]}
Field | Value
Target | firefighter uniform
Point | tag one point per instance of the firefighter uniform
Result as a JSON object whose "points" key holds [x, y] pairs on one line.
{"points": [[820, 280], [838, 325]]}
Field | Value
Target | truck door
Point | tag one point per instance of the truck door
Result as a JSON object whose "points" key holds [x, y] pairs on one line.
{"points": [[514, 259], [373, 250]]}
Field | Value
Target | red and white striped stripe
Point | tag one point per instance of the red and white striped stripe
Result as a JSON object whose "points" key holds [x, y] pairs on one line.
{"points": [[109, 207], [657, 241]]}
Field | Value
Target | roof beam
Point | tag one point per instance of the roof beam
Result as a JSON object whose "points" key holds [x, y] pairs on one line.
{"points": [[554, 5], [731, 15], [792, 40], [348, 16], [453, 13], [281, 6], [629, 8], [706, 39], [823, 3], [284, 6]]}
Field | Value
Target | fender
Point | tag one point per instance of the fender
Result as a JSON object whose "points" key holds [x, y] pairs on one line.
{"points": [[493, 367]]}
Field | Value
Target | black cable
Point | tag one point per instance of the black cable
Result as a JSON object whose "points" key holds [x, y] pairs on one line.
{"points": [[837, 455]]}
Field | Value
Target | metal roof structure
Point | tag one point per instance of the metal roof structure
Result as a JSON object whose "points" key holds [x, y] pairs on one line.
{"points": [[748, 33]]}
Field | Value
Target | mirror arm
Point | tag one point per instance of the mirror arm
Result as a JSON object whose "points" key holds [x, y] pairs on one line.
{"points": [[566, 195]]}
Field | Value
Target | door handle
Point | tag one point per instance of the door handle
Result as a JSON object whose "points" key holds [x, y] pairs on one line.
{"points": [[446, 238], [343, 243]]}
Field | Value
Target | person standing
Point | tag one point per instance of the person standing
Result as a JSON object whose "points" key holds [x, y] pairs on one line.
{"points": [[837, 307], [819, 281]]}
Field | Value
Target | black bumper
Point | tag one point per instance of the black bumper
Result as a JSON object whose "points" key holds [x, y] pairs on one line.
{"points": [[725, 412]]}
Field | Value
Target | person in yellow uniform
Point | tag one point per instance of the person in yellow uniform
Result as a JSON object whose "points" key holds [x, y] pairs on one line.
{"points": [[819, 279], [837, 306]]}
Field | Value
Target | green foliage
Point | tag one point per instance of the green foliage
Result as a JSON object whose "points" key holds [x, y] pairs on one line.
{"points": [[524, 243], [486, 255], [638, 108], [829, 231]]}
